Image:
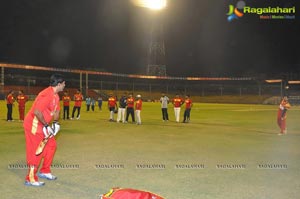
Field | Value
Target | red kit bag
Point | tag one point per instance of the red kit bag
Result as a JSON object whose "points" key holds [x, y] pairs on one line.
{"points": [[122, 193]]}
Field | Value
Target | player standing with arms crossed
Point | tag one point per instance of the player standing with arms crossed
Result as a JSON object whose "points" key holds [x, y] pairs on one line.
{"points": [[22, 99], [111, 104], [177, 102], [130, 108], [77, 105], [188, 106], [66, 103], [9, 104], [281, 115], [36, 126], [138, 109], [164, 100]]}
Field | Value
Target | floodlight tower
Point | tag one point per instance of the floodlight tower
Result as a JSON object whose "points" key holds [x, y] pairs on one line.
{"points": [[156, 51]]}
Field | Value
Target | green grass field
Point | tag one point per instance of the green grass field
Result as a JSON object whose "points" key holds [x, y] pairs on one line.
{"points": [[226, 152]]}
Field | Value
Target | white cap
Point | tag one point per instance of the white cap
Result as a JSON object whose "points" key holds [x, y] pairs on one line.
{"points": [[139, 96]]}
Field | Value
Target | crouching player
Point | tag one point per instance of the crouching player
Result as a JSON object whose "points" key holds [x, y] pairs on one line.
{"points": [[138, 108], [37, 127]]}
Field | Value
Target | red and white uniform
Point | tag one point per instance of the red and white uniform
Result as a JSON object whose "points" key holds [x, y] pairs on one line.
{"points": [[78, 99], [177, 102], [10, 99], [112, 102], [66, 100], [22, 99], [188, 103], [47, 102], [281, 115], [130, 102], [138, 108]]}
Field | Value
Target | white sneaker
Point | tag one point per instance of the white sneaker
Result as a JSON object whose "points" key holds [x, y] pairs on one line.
{"points": [[47, 176], [35, 184]]}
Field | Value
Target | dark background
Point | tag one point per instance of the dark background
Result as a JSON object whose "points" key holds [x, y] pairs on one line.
{"points": [[114, 35]]}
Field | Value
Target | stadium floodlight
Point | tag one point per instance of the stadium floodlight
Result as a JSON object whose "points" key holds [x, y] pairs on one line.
{"points": [[151, 4], [274, 80], [294, 82]]}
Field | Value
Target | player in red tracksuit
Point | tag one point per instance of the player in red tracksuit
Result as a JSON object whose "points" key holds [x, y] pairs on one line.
{"points": [[138, 109], [177, 102], [188, 106], [36, 126], [9, 104], [281, 115], [22, 99], [78, 97], [66, 103], [111, 104], [130, 108]]}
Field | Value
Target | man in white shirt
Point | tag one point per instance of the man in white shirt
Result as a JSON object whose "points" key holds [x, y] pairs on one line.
{"points": [[164, 100]]}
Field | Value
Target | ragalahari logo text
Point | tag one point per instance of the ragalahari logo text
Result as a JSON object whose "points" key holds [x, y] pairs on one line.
{"points": [[236, 12], [267, 12]]}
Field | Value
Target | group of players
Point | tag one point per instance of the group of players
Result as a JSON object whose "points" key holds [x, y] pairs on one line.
{"points": [[21, 99], [128, 106], [41, 122]]}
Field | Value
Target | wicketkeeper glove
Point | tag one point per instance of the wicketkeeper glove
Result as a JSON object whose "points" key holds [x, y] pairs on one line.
{"points": [[48, 131], [55, 127]]}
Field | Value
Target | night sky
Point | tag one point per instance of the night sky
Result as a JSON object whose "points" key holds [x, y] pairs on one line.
{"points": [[114, 36]]}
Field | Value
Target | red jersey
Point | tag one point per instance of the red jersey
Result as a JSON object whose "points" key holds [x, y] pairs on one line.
{"points": [[177, 102], [10, 99], [22, 99], [78, 99], [112, 102], [47, 103], [138, 104], [66, 100], [284, 104], [188, 103], [130, 102]]}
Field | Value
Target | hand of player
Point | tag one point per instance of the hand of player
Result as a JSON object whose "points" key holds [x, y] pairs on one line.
{"points": [[48, 131], [55, 127]]}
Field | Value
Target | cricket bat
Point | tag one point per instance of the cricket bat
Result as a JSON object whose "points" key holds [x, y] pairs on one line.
{"points": [[42, 145]]}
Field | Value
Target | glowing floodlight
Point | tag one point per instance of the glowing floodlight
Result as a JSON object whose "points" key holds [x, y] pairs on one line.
{"points": [[151, 4]]}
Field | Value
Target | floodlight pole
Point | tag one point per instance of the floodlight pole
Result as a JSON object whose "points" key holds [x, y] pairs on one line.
{"points": [[2, 79], [86, 84], [281, 88], [80, 81], [156, 51]]}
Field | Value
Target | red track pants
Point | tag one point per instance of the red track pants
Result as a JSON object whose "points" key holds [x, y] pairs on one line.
{"points": [[21, 112], [281, 121], [33, 161]]}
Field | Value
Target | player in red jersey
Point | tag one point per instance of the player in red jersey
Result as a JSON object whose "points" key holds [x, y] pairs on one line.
{"points": [[111, 104], [138, 109], [177, 102], [78, 97], [9, 104], [66, 103], [130, 108], [188, 106], [36, 126], [281, 115], [22, 99]]}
